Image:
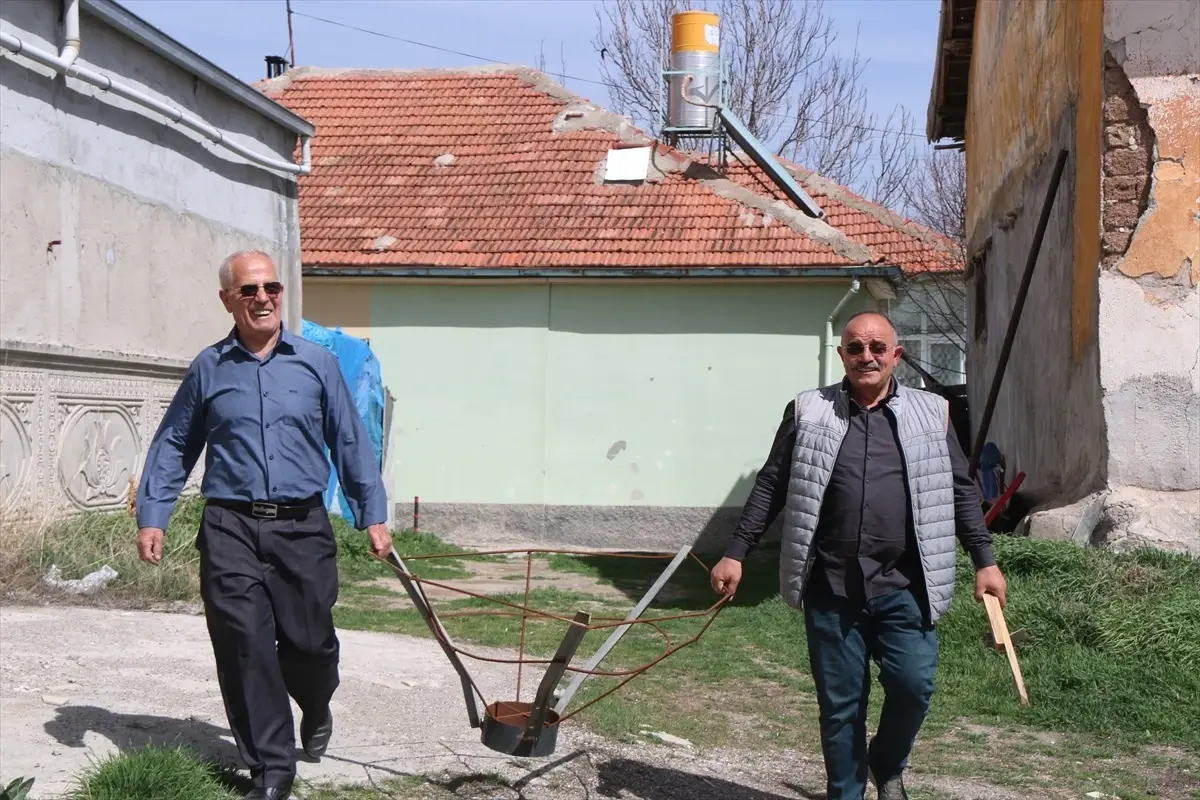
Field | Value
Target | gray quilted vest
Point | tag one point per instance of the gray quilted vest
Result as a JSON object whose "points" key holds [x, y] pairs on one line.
{"points": [[921, 422]]}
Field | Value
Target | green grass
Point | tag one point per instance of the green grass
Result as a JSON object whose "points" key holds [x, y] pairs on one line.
{"points": [[154, 773], [83, 543], [163, 773], [1112, 651]]}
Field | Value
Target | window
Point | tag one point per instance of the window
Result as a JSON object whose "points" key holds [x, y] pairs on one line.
{"points": [[930, 319]]}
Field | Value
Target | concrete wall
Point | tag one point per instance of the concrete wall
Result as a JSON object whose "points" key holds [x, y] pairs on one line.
{"points": [[1035, 88], [1149, 302], [114, 223], [606, 414]]}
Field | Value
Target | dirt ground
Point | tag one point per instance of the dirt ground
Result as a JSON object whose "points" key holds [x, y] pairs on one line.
{"points": [[79, 683]]}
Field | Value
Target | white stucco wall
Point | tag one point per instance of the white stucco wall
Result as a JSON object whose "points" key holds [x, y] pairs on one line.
{"points": [[114, 223]]}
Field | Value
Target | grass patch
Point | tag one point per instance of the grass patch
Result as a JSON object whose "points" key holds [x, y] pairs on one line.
{"points": [[83, 543], [154, 773], [165, 773], [1112, 652]]}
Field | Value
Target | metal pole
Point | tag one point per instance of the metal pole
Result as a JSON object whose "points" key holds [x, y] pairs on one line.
{"points": [[439, 634], [1018, 305], [617, 633], [291, 39]]}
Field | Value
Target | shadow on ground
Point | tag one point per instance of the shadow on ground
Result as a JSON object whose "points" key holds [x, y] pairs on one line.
{"points": [[136, 731], [689, 588], [622, 777]]}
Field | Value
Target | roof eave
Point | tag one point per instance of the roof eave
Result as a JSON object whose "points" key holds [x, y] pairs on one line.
{"points": [[136, 28], [952, 63], [411, 272]]}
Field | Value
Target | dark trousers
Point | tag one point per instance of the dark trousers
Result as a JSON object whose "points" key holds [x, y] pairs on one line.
{"points": [[269, 587], [842, 637]]}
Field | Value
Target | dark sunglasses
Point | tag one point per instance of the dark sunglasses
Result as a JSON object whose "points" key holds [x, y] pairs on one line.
{"points": [[272, 288], [857, 348]]}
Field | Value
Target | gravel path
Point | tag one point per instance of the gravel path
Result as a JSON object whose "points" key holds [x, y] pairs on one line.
{"points": [[79, 683]]}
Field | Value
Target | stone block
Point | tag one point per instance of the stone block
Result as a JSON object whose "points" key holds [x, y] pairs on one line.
{"points": [[1121, 108], [1124, 187], [1117, 241], [1134, 518], [1126, 162], [1121, 136], [1121, 215], [1124, 518]]}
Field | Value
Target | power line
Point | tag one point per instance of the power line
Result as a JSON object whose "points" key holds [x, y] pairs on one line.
{"points": [[562, 76]]}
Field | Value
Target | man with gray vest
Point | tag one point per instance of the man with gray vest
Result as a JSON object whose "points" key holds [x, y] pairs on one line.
{"points": [[874, 489]]}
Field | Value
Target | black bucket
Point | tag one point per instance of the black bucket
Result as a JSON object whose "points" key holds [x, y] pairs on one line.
{"points": [[504, 729]]}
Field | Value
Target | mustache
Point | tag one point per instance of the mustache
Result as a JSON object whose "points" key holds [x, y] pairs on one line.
{"points": [[871, 367]]}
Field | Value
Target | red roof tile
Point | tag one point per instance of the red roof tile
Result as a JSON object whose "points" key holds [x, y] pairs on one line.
{"points": [[523, 187]]}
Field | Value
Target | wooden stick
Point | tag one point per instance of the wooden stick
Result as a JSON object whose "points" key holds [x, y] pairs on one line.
{"points": [[1000, 635]]}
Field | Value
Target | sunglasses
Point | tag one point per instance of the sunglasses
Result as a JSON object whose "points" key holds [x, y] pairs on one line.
{"points": [[272, 288], [857, 348]]}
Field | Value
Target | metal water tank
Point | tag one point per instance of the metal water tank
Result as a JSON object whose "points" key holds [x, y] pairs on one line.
{"points": [[696, 51]]}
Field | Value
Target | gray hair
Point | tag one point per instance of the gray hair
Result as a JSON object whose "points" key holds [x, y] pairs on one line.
{"points": [[225, 272]]}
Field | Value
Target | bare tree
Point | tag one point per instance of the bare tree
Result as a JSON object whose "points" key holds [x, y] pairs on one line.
{"points": [[786, 82], [936, 197]]}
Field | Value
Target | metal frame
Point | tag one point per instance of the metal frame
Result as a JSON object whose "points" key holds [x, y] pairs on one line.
{"points": [[498, 734], [422, 604]]}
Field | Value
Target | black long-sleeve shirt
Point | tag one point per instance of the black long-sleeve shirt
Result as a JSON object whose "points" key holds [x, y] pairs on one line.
{"points": [[865, 541]]}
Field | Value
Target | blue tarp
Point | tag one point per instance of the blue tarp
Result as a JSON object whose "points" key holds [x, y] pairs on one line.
{"points": [[360, 368]]}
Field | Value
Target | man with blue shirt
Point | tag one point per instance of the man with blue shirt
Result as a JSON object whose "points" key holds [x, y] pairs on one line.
{"points": [[266, 403]]}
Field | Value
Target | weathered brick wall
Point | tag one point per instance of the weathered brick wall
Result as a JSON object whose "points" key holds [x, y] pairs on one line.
{"points": [[1128, 160]]}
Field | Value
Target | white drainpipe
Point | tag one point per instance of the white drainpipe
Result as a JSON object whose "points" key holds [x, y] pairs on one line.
{"points": [[65, 63], [828, 347]]}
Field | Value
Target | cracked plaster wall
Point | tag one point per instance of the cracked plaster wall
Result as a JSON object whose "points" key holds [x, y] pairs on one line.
{"points": [[1035, 89], [1149, 308]]}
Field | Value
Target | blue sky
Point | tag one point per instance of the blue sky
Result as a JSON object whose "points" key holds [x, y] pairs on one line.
{"points": [[899, 37]]}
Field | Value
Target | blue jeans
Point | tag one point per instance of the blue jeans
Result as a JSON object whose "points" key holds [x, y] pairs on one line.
{"points": [[842, 636]]}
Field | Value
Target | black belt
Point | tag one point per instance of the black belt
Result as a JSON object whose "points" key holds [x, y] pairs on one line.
{"points": [[261, 509]]}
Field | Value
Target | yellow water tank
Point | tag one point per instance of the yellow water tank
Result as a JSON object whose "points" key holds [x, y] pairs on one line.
{"points": [[695, 30], [696, 53]]}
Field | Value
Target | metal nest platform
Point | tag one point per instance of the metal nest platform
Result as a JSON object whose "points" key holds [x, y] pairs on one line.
{"points": [[530, 728]]}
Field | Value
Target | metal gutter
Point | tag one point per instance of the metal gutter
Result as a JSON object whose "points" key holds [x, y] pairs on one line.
{"points": [[136, 28], [603, 272]]}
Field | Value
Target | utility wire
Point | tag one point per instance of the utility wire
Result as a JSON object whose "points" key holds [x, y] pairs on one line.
{"points": [[562, 76]]}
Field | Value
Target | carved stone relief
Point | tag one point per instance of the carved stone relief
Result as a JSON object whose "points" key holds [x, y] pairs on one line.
{"points": [[74, 439], [98, 454], [16, 449]]}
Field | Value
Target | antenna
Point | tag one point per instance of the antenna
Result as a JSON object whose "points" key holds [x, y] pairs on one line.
{"points": [[291, 39]]}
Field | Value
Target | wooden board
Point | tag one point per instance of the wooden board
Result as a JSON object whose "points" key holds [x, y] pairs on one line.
{"points": [[1000, 635]]}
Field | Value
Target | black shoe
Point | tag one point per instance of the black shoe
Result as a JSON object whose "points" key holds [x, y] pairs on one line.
{"points": [[282, 792], [892, 789], [315, 733]]}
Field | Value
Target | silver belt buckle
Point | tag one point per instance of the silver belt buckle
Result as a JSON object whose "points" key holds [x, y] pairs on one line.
{"points": [[264, 510]]}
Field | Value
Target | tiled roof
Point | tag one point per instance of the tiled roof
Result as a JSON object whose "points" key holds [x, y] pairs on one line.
{"points": [[890, 236], [500, 167]]}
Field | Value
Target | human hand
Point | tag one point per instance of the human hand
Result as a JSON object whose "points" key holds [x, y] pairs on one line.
{"points": [[381, 540], [990, 580], [150, 545], [726, 576]]}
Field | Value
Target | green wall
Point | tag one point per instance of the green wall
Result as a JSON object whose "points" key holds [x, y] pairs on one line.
{"points": [[662, 394]]}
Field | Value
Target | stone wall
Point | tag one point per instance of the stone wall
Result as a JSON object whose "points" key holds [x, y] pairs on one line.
{"points": [[1031, 96], [73, 431], [114, 224], [1149, 305]]}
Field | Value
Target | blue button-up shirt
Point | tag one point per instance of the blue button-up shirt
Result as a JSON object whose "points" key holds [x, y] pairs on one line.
{"points": [[266, 424]]}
